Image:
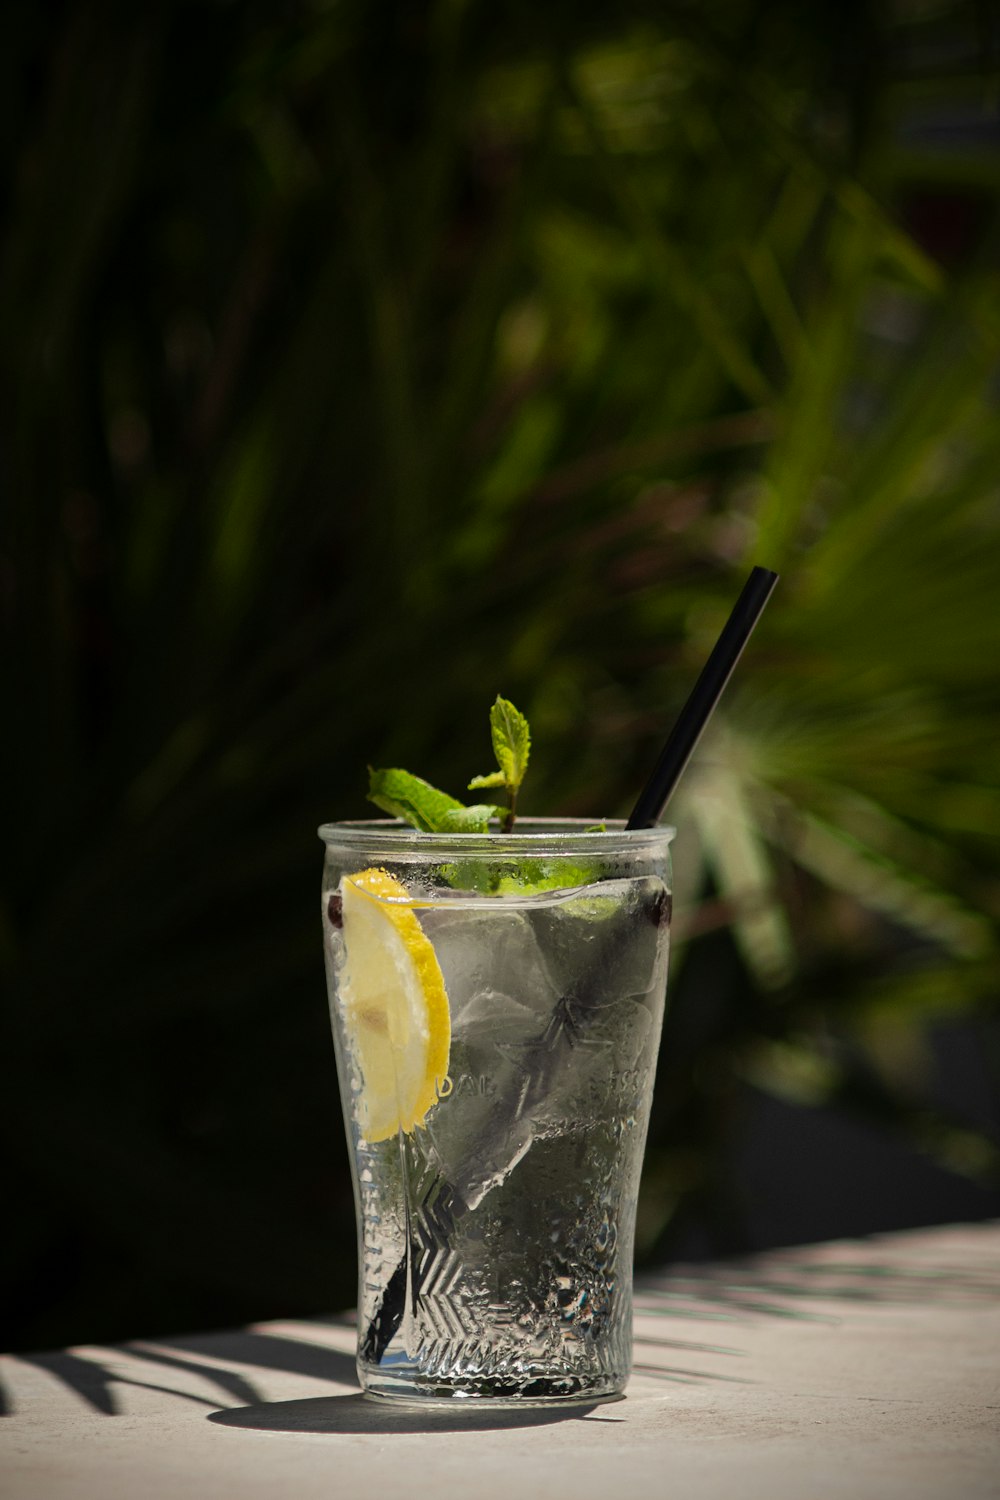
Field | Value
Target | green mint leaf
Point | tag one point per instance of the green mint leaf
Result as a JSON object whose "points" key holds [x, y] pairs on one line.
{"points": [[511, 742], [535, 877], [495, 778], [474, 819], [409, 797]]}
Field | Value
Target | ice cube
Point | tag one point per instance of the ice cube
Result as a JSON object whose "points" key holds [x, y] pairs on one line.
{"points": [[493, 968], [604, 942], [491, 1012], [551, 1020], [607, 1058]]}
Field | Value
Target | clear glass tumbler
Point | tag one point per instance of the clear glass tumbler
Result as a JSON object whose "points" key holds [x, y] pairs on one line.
{"points": [[496, 1003]]}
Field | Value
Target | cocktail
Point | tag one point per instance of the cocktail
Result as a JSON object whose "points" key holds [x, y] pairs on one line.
{"points": [[496, 1003]]}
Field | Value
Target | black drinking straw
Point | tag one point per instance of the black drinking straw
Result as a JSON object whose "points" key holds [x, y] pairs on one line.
{"points": [[705, 694]]}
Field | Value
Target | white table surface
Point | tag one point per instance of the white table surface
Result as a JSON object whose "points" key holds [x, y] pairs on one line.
{"points": [[865, 1368]]}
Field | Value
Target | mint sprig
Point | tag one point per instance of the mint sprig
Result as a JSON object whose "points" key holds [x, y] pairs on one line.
{"points": [[511, 738], [409, 797]]}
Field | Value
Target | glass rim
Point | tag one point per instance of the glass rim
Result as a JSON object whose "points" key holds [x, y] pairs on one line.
{"points": [[532, 835]]}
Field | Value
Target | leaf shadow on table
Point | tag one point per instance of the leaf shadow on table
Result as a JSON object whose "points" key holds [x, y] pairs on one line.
{"points": [[95, 1378], [96, 1382], [783, 1283]]}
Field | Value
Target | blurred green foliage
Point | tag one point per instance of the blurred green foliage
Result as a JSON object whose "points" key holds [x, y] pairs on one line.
{"points": [[360, 361]]}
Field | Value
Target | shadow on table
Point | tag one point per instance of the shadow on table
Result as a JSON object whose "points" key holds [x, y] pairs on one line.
{"points": [[355, 1413], [94, 1380], [780, 1284], [227, 1361]]}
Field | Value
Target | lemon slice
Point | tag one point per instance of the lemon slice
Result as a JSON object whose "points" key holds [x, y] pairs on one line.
{"points": [[395, 1006]]}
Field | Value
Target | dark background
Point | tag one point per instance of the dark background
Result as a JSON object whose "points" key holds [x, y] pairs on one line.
{"points": [[360, 361]]}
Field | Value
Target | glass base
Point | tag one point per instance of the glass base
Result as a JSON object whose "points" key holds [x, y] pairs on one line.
{"points": [[493, 1394]]}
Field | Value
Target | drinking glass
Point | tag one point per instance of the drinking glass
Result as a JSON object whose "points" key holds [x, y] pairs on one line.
{"points": [[496, 1002]]}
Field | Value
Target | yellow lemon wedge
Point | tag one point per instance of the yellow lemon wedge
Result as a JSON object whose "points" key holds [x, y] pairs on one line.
{"points": [[395, 1005]]}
